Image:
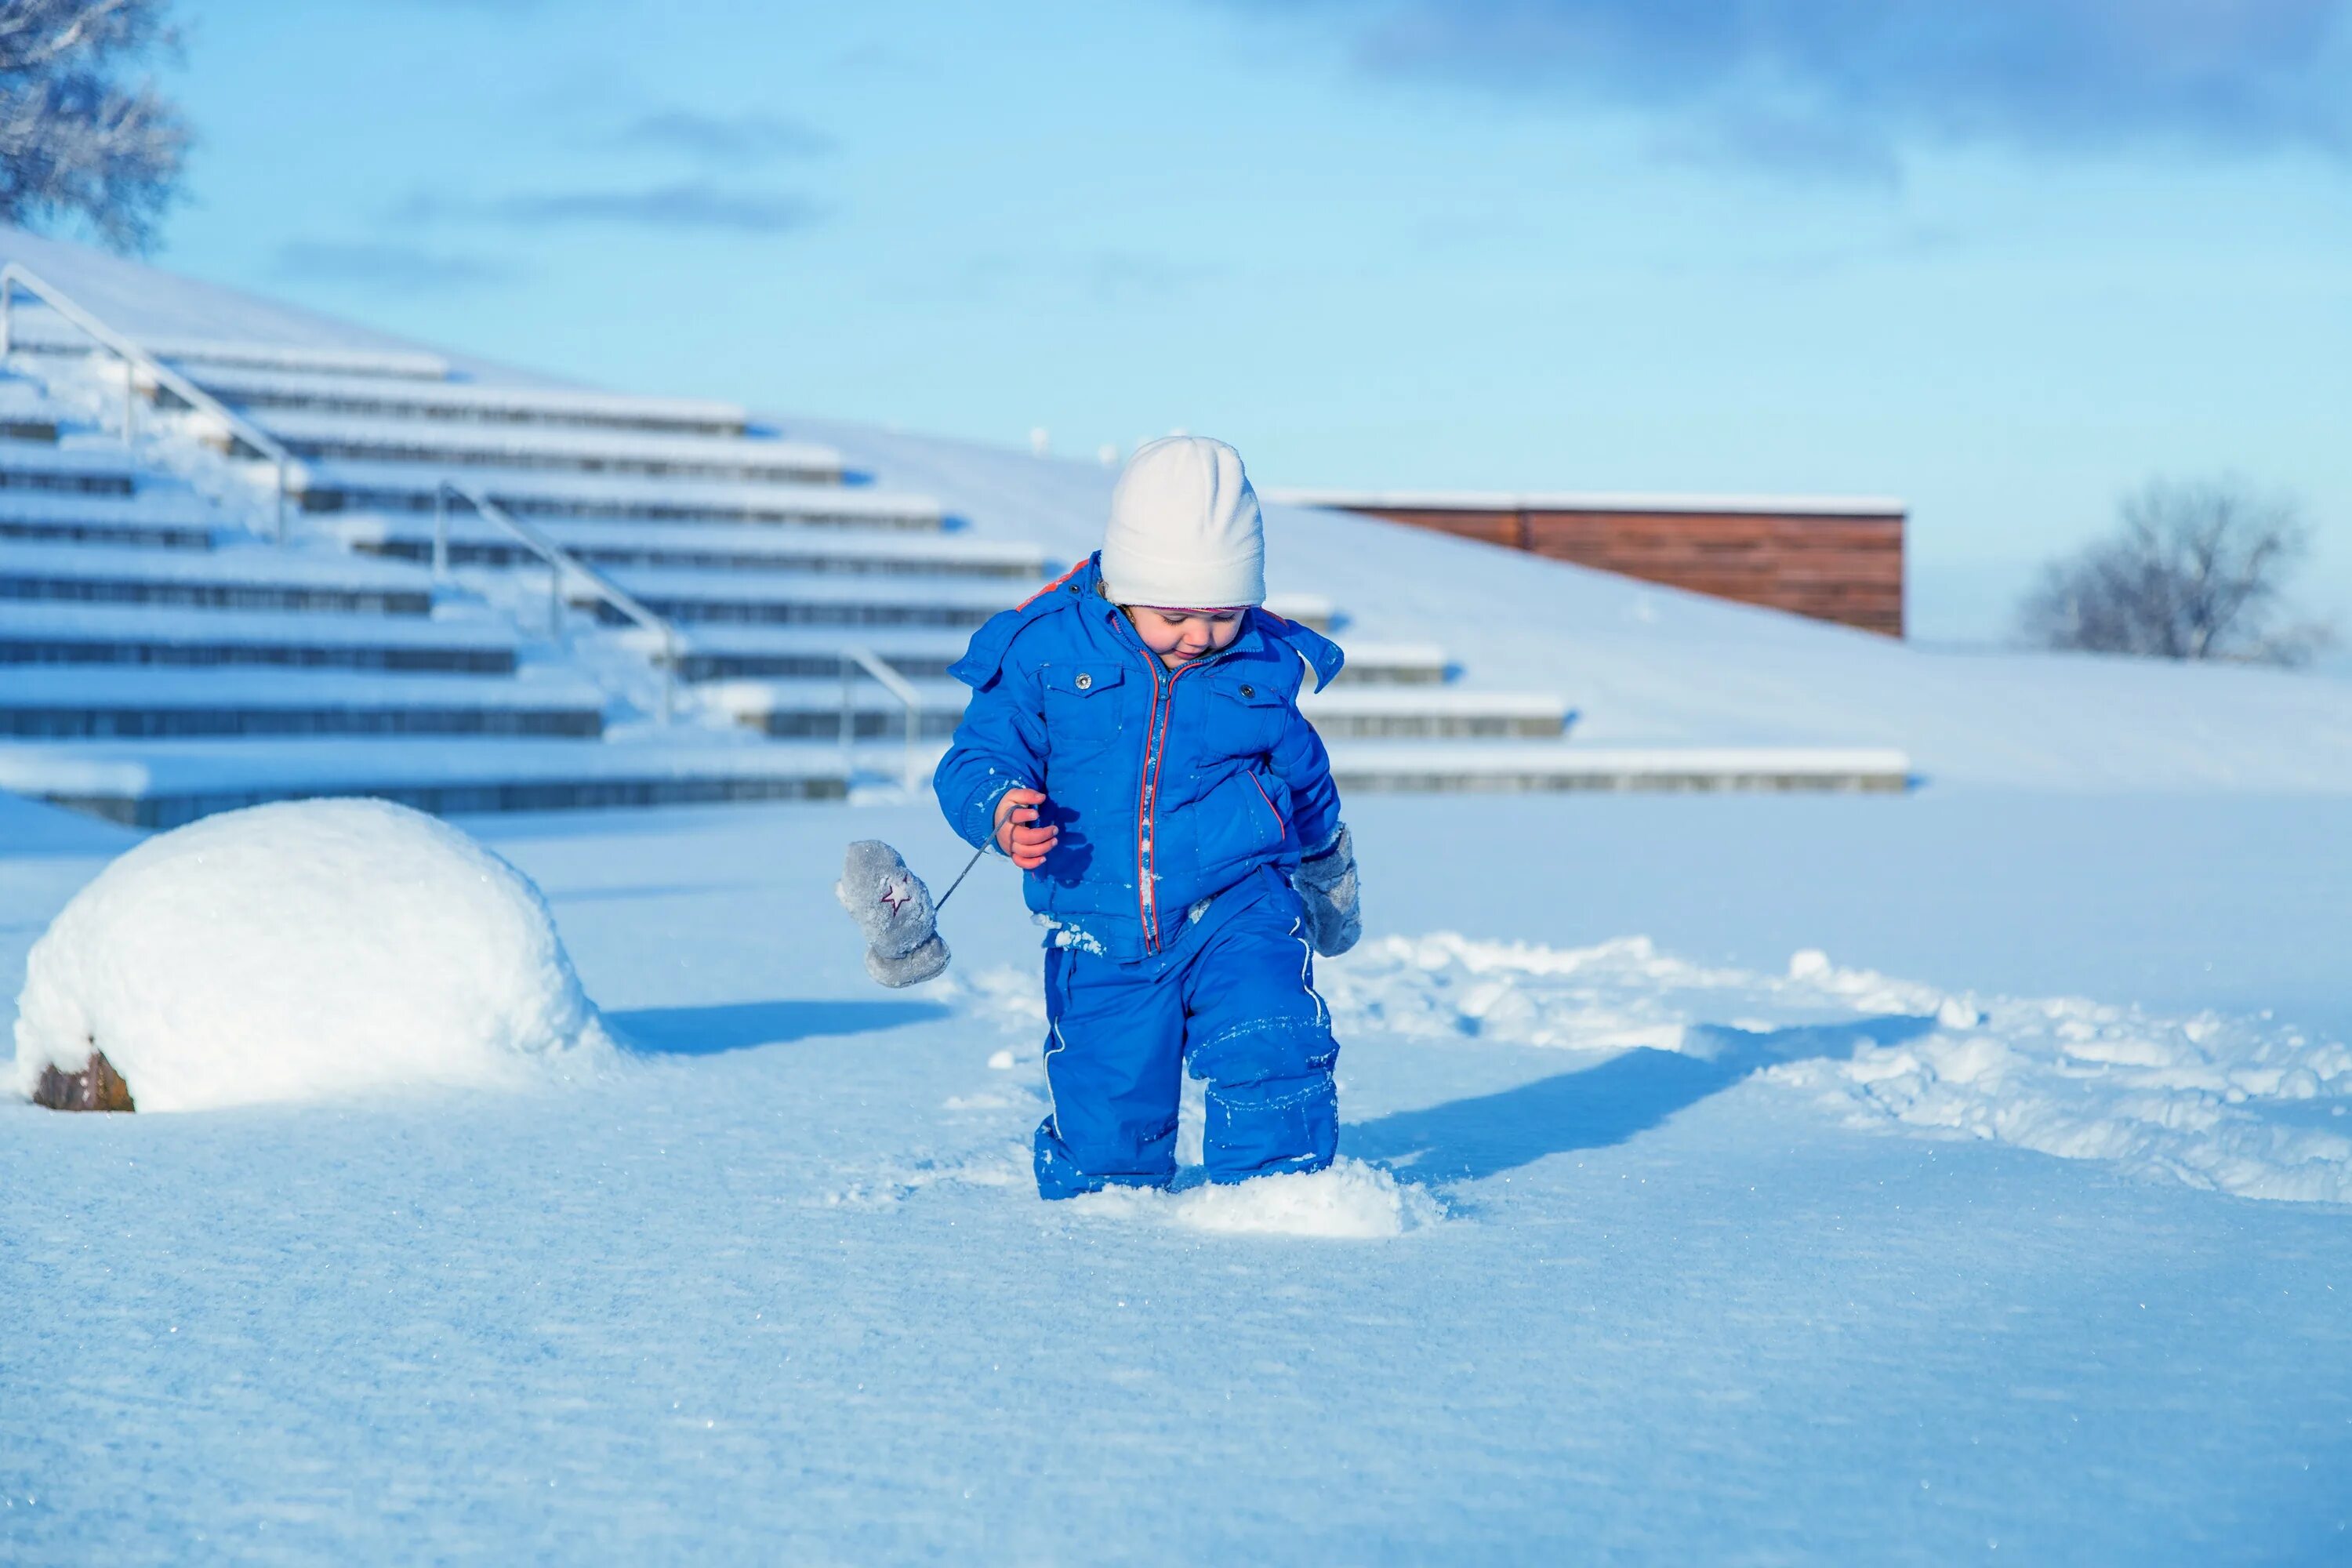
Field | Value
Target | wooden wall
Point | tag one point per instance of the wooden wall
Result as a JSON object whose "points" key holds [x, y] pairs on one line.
{"points": [[1834, 567]]}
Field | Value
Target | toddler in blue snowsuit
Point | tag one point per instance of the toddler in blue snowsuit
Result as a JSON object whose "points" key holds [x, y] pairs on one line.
{"points": [[1133, 744]]}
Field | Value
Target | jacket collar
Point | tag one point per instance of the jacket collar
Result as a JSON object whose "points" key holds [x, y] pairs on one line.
{"points": [[1261, 629]]}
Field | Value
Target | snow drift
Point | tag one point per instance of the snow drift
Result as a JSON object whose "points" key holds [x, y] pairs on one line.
{"points": [[2244, 1106], [306, 949], [1347, 1199]]}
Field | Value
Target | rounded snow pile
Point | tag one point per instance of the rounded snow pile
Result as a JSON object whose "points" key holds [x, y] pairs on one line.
{"points": [[303, 950]]}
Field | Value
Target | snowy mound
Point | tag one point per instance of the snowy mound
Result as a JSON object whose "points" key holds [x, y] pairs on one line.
{"points": [[1347, 1199], [306, 949]]}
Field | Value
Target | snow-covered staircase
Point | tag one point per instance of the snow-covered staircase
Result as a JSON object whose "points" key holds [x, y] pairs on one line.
{"points": [[767, 554], [724, 591], [159, 659]]}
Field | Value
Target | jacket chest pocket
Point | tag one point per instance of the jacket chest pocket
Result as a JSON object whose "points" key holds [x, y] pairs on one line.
{"points": [[1084, 711], [1244, 717]]}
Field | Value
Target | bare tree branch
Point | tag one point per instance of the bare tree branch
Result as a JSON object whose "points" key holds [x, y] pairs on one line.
{"points": [[2195, 571], [75, 142]]}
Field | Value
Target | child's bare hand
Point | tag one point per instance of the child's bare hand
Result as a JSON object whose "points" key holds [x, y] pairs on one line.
{"points": [[1017, 832]]}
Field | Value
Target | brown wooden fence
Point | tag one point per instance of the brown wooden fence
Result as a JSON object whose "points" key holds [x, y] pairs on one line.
{"points": [[1834, 561]]}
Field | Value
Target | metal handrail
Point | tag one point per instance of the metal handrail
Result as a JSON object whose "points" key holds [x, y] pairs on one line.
{"points": [[854, 658], [560, 563], [15, 275]]}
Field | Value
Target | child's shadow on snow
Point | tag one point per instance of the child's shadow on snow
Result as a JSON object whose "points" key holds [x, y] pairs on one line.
{"points": [[1463, 1140], [739, 1026]]}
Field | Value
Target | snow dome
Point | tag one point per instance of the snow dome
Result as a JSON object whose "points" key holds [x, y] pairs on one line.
{"points": [[300, 950]]}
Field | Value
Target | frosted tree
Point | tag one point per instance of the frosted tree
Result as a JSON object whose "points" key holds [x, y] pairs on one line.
{"points": [[2196, 571], [77, 138]]}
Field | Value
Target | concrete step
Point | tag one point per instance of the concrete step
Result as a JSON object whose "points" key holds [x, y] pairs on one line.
{"points": [[460, 402], [806, 599], [348, 485], [1393, 663], [708, 546], [26, 412], [84, 633], [95, 701], [810, 709], [1311, 610], [720, 651], [155, 519], [250, 578], [568, 448], [37, 330], [725, 652], [164, 784], [802, 709], [1527, 767], [1422, 712], [73, 469]]}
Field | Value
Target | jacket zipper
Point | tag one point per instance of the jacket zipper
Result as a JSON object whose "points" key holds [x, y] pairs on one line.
{"points": [[1155, 753]]}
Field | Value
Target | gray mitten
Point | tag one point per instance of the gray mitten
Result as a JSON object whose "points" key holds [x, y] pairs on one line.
{"points": [[1326, 886], [891, 905]]}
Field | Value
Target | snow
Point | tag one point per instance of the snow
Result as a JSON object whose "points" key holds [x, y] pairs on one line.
{"points": [[248, 564], [164, 625], [1344, 700], [135, 300], [129, 768], [312, 950], [1586, 501], [977, 596], [147, 689], [529, 444], [155, 504], [2248, 1107], [29, 828], [73, 461], [1646, 666], [1559, 765], [1895, 1179], [781, 1285], [638, 494], [1349, 1200], [790, 544], [439, 399], [785, 1282]]}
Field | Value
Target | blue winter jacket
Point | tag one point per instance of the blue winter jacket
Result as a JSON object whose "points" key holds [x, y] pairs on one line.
{"points": [[1169, 787]]}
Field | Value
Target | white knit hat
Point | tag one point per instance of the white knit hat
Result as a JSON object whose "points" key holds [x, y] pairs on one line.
{"points": [[1184, 529]]}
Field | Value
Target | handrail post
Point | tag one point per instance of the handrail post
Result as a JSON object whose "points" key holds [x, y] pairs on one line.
{"points": [[848, 709], [669, 675], [562, 566], [16, 275], [441, 532], [277, 518]]}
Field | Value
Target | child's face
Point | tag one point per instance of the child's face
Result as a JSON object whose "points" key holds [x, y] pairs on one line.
{"points": [[1180, 636]]}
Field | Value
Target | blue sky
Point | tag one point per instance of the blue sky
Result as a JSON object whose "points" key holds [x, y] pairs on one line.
{"points": [[2005, 261]]}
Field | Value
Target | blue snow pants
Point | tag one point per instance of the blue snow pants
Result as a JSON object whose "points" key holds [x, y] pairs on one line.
{"points": [[1233, 999]]}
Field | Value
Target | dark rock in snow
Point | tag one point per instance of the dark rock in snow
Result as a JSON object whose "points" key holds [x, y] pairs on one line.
{"points": [[97, 1086]]}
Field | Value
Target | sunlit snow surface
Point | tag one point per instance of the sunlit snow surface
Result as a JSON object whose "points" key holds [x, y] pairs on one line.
{"points": [[1655, 1248]]}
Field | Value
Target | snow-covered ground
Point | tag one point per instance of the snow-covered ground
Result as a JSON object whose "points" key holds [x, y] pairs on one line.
{"points": [[1693, 1247], [1909, 1178]]}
